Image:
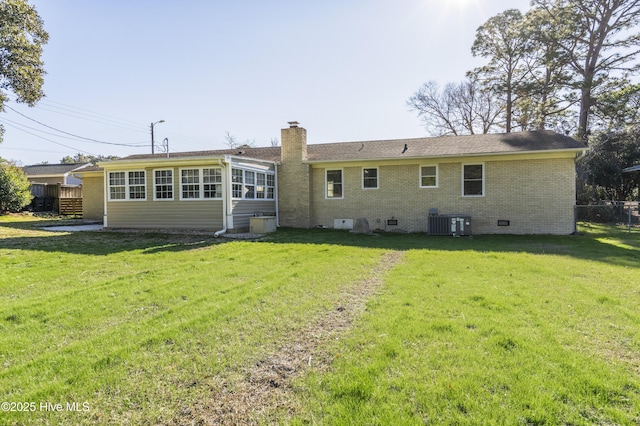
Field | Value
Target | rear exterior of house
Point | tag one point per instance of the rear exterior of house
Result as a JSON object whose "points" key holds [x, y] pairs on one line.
{"points": [[525, 196], [517, 183], [209, 192], [510, 183]]}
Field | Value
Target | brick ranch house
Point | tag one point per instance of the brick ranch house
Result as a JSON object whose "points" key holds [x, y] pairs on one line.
{"points": [[517, 183]]}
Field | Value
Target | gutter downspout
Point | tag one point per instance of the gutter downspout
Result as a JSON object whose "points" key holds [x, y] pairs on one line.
{"points": [[581, 155], [276, 195], [105, 197], [225, 185]]}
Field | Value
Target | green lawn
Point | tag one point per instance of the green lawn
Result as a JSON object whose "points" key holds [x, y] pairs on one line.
{"points": [[154, 328]]}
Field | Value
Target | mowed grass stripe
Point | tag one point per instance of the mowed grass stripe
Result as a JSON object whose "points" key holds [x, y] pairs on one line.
{"points": [[490, 337]]}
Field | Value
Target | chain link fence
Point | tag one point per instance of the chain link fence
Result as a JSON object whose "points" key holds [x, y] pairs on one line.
{"points": [[621, 213]]}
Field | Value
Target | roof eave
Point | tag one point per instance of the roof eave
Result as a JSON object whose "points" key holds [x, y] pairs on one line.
{"points": [[162, 161], [447, 156]]}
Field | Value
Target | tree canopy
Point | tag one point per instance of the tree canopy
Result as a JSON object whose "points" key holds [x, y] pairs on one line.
{"points": [[84, 158], [601, 169], [568, 65], [22, 36], [502, 40], [601, 40], [555, 66]]}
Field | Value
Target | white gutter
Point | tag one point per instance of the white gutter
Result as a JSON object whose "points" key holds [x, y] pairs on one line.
{"points": [[581, 155], [105, 193], [224, 201], [227, 218], [275, 190]]}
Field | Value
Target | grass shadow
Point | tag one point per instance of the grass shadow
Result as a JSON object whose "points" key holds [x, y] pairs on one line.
{"points": [[608, 244], [604, 244]]}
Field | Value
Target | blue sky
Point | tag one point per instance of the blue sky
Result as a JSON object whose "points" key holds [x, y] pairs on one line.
{"points": [[343, 69]]}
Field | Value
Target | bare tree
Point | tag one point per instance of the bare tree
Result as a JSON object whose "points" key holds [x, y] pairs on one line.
{"points": [[463, 108], [232, 142]]}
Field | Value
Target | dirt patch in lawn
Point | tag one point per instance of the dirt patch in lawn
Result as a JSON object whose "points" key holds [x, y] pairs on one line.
{"points": [[265, 387]]}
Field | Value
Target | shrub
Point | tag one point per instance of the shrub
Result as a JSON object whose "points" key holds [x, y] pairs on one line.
{"points": [[14, 188]]}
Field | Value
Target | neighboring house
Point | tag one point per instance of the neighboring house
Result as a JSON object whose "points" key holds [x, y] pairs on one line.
{"points": [[517, 183], [56, 187], [52, 174]]}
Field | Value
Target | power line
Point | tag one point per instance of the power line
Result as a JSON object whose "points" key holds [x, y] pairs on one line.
{"points": [[54, 134], [83, 114], [3, 148], [46, 139], [137, 144], [60, 108]]}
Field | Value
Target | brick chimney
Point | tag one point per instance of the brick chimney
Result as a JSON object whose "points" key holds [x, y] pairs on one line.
{"points": [[294, 179]]}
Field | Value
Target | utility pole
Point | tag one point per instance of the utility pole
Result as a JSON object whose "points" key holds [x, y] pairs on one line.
{"points": [[152, 139]]}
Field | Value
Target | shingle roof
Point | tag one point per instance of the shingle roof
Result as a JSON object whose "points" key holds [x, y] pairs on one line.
{"points": [[51, 169], [444, 146], [263, 153], [431, 147]]}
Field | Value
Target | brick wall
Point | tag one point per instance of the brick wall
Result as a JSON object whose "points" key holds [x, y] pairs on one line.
{"points": [[536, 196], [294, 195], [93, 197]]}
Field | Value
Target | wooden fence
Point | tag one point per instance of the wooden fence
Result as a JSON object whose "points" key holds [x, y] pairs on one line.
{"points": [[64, 199]]}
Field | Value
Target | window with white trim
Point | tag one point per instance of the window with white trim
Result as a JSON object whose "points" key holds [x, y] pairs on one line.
{"points": [[200, 184], [252, 185], [189, 184], [265, 186], [137, 185], [212, 183], [271, 186], [334, 183], [163, 184], [237, 183], [261, 186], [473, 180], [249, 184], [117, 186], [370, 178], [428, 176], [130, 185]]}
